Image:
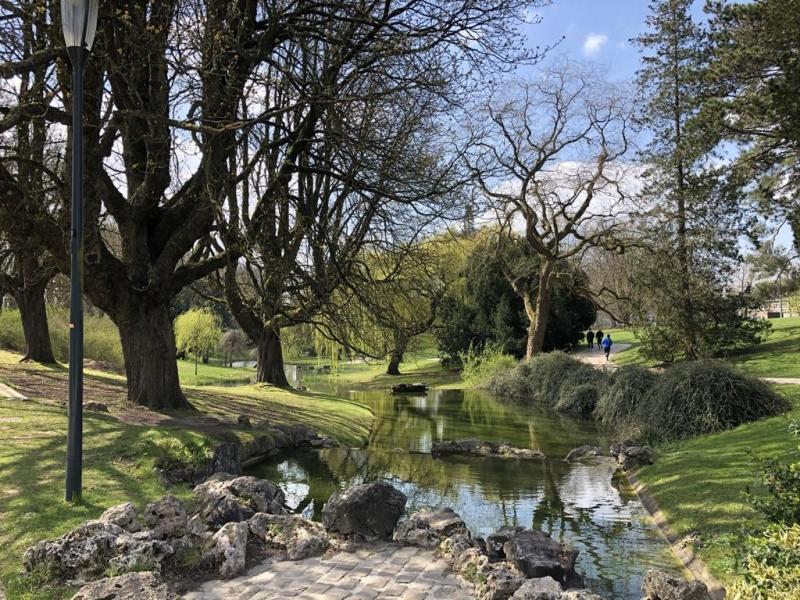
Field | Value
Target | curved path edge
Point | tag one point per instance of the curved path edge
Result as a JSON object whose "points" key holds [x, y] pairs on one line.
{"points": [[685, 553]]}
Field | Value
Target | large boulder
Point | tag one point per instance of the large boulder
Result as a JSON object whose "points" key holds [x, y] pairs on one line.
{"points": [[298, 537], [230, 548], [124, 515], [452, 547], [428, 529], [132, 586], [536, 554], [82, 553], [370, 511], [631, 455], [166, 518], [224, 499], [541, 588], [658, 585], [497, 540], [139, 552], [583, 452], [501, 582], [227, 459]]}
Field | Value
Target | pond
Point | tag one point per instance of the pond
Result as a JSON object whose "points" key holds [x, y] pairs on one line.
{"points": [[576, 503]]}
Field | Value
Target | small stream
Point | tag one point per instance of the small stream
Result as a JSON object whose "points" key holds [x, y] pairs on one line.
{"points": [[577, 503]]}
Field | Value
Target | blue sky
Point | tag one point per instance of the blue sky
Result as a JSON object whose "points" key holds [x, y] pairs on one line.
{"points": [[596, 30]]}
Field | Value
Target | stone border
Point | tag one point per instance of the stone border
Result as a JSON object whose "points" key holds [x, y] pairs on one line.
{"points": [[685, 553]]}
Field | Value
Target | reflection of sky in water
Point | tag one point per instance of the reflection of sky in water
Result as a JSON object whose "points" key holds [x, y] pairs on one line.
{"points": [[575, 503]]}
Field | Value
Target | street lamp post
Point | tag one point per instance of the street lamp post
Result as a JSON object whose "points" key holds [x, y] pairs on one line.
{"points": [[79, 22]]}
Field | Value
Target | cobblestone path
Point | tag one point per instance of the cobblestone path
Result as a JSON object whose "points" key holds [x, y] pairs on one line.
{"points": [[388, 571]]}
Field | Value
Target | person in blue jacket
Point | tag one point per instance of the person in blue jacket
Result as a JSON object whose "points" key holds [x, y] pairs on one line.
{"points": [[606, 343]]}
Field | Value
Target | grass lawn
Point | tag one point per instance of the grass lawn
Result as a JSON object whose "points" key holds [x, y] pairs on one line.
{"points": [[417, 367], [213, 374], [777, 356], [699, 483], [121, 448]]}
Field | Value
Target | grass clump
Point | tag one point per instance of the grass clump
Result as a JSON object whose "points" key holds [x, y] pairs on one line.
{"points": [[623, 398], [701, 397], [481, 366], [579, 400], [550, 380]]}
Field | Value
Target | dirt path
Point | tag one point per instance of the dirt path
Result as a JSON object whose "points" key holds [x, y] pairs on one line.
{"points": [[597, 358]]}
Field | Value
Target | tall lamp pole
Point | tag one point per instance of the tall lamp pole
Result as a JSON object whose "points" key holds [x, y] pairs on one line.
{"points": [[79, 22]]}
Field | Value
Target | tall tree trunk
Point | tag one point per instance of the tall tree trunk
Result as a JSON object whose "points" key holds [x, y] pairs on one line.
{"points": [[33, 312], [539, 312], [148, 345], [397, 353], [270, 358]]}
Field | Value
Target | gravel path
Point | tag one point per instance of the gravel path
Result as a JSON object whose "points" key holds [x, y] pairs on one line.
{"points": [[597, 358], [384, 571]]}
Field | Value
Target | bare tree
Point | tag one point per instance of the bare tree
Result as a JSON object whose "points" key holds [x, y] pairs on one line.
{"points": [[550, 163]]}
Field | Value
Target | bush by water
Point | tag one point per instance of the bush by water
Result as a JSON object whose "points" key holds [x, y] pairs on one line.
{"points": [[686, 400]]}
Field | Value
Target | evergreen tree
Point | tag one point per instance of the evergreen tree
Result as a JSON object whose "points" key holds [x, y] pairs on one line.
{"points": [[682, 288]]}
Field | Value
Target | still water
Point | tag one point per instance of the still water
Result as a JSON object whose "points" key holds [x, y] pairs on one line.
{"points": [[576, 503]]}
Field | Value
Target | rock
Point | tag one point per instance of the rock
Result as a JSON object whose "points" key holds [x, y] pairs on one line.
{"points": [[580, 595], [631, 455], [427, 529], [299, 434], [495, 542], [583, 452], [95, 406], [501, 582], [260, 446], [473, 565], [227, 459], [370, 511], [542, 588], [132, 586], [473, 447], [409, 388], [196, 527], [123, 515], [658, 585], [166, 518], [139, 552], [536, 554], [224, 500], [452, 547], [300, 538], [244, 421], [230, 548], [82, 553]]}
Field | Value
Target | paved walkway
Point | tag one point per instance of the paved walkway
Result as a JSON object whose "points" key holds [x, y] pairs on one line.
{"points": [[7, 391], [597, 358], [385, 571]]}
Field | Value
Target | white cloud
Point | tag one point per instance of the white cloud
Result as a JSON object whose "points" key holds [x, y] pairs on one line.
{"points": [[593, 43]]}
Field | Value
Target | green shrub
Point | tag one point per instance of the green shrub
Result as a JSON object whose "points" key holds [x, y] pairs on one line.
{"points": [[579, 400], [781, 503], [481, 366], [622, 399], [101, 337], [695, 398], [770, 564], [540, 381]]}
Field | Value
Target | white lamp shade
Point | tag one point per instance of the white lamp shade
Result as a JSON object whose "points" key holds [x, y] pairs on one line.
{"points": [[79, 22]]}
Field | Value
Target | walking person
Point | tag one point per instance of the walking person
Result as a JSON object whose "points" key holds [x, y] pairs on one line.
{"points": [[599, 337], [607, 343], [589, 340]]}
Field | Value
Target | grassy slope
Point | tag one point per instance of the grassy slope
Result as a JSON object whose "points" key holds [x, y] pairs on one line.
{"points": [[212, 374], [777, 356], [119, 457], [699, 483]]}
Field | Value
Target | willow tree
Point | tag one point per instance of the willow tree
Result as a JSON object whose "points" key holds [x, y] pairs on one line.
{"points": [[355, 154], [550, 160]]}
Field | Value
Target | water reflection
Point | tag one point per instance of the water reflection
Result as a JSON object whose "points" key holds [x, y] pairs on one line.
{"points": [[575, 503]]}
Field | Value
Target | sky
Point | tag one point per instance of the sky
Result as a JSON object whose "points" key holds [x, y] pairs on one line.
{"points": [[597, 31]]}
